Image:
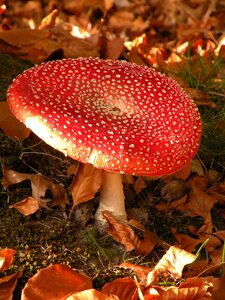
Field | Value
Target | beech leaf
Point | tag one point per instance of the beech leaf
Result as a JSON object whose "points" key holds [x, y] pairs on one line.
{"points": [[122, 232], [91, 294], [55, 282], [172, 262], [124, 288], [86, 183]]}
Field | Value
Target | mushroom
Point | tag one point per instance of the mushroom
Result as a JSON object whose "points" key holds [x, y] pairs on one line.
{"points": [[115, 115]]}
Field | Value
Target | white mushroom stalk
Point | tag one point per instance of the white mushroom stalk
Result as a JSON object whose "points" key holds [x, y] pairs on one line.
{"points": [[111, 197], [118, 116]]}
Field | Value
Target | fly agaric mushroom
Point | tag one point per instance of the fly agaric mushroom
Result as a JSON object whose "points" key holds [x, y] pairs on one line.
{"points": [[115, 115]]}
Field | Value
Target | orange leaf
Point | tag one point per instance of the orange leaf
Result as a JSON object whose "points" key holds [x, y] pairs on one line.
{"points": [[91, 294], [11, 125], [86, 183], [121, 232], [27, 206], [124, 288], [193, 289], [199, 202], [173, 262], [7, 285], [6, 258], [150, 239], [55, 282]]}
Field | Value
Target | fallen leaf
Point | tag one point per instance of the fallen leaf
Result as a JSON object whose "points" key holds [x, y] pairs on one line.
{"points": [[200, 201], [86, 183], [192, 289], [39, 185], [6, 258], [7, 285], [172, 262], [11, 125], [91, 294], [27, 206], [150, 239], [219, 294], [124, 288], [55, 282], [121, 232], [139, 185]]}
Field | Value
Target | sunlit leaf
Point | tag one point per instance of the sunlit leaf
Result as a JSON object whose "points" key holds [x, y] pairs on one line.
{"points": [[92, 294], [55, 282], [172, 262], [123, 288], [192, 289], [6, 258]]}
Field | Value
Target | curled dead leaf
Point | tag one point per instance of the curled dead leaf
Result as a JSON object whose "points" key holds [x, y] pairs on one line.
{"points": [[172, 262]]}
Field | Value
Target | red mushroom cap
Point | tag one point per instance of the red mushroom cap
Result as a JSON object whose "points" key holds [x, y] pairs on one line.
{"points": [[116, 115]]}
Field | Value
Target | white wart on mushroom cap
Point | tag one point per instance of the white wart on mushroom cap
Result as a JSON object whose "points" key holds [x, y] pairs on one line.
{"points": [[115, 115]]}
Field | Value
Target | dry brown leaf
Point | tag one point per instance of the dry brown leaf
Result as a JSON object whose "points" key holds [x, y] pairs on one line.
{"points": [[184, 173], [12, 177], [38, 44], [121, 232], [91, 294], [27, 206], [150, 239], [124, 288], [11, 125], [72, 170], [199, 202], [139, 185], [186, 242], [172, 262], [219, 294], [6, 258], [86, 183], [7, 285], [113, 48], [55, 282], [39, 185], [192, 289], [176, 204]]}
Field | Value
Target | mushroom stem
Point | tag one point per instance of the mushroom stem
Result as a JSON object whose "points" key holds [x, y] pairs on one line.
{"points": [[111, 197]]}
